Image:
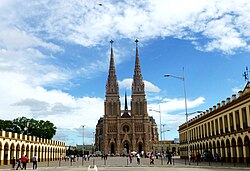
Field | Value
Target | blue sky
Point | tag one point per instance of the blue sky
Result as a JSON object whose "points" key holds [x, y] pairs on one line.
{"points": [[54, 57]]}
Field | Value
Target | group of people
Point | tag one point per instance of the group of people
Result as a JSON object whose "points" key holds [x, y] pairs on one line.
{"points": [[138, 158], [22, 162], [151, 158], [206, 156]]}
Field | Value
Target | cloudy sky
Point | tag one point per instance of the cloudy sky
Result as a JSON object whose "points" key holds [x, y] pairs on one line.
{"points": [[54, 57]]}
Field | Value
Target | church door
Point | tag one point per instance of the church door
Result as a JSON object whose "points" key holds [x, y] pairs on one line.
{"points": [[112, 148], [140, 148], [126, 148]]}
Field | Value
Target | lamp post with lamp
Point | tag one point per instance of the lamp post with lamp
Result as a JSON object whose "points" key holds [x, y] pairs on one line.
{"points": [[159, 111], [185, 96], [82, 142], [163, 131]]}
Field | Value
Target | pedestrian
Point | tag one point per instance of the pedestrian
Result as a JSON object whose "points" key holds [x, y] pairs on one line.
{"points": [[13, 162], [193, 157], [131, 157], [169, 158], [198, 157], [34, 160], [19, 164], [138, 158], [152, 159], [24, 161]]}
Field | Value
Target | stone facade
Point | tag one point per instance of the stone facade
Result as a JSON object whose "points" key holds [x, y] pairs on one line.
{"points": [[17, 145], [223, 129], [123, 131]]}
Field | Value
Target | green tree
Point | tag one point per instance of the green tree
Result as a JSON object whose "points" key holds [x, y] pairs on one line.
{"points": [[23, 125]]}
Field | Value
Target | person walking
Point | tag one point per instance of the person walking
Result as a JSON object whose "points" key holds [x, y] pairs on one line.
{"points": [[152, 159], [18, 164], [24, 161], [34, 160], [169, 158], [138, 158], [131, 158]]}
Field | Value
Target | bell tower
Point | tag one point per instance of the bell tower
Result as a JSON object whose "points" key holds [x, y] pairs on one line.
{"points": [[112, 101], [138, 102]]}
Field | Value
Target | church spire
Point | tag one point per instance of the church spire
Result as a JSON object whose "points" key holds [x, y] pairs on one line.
{"points": [[126, 103], [138, 84], [112, 84]]}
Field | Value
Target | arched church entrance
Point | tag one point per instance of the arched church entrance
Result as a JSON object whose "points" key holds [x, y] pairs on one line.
{"points": [[126, 148], [112, 148], [140, 148]]}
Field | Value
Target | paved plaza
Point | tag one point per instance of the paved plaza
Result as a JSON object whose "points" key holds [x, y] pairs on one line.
{"points": [[123, 164]]}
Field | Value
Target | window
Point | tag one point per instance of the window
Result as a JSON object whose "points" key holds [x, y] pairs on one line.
{"points": [[125, 128]]}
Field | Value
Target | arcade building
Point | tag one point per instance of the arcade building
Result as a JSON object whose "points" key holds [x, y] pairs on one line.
{"points": [[223, 129]]}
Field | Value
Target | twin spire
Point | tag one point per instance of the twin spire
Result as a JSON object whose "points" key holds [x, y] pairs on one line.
{"points": [[112, 83], [138, 84]]}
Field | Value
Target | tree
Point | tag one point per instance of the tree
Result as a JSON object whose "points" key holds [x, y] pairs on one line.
{"points": [[23, 125]]}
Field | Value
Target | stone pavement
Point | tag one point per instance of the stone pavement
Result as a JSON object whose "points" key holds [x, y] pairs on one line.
{"points": [[123, 164]]}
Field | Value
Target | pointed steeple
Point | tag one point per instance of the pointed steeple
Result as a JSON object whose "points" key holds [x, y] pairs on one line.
{"points": [[112, 84], [126, 103], [138, 84]]}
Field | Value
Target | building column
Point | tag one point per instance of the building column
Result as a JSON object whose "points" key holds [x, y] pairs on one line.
{"points": [[221, 151], [8, 160], [118, 141], [210, 129], [207, 130], [241, 118], [244, 153], [223, 123], [248, 115], [214, 121], [198, 132], [237, 153], [2, 156], [228, 122], [219, 126], [204, 127], [234, 120], [232, 152]]}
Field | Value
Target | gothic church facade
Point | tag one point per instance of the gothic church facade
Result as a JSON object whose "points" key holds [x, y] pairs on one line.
{"points": [[123, 131]]}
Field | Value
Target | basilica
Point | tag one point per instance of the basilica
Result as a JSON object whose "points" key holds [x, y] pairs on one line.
{"points": [[131, 129]]}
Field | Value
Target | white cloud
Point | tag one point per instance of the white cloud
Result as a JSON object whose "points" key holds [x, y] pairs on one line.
{"points": [[17, 39], [172, 112], [62, 109], [149, 87], [170, 105], [224, 25]]}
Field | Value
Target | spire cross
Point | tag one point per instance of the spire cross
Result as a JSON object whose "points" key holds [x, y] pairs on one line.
{"points": [[245, 74], [136, 41], [111, 42]]}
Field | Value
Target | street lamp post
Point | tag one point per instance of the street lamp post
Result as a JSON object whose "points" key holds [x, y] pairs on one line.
{"points": [[163, 131], [185, 96], [82, 142], [93, 142], [159, 111]]}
